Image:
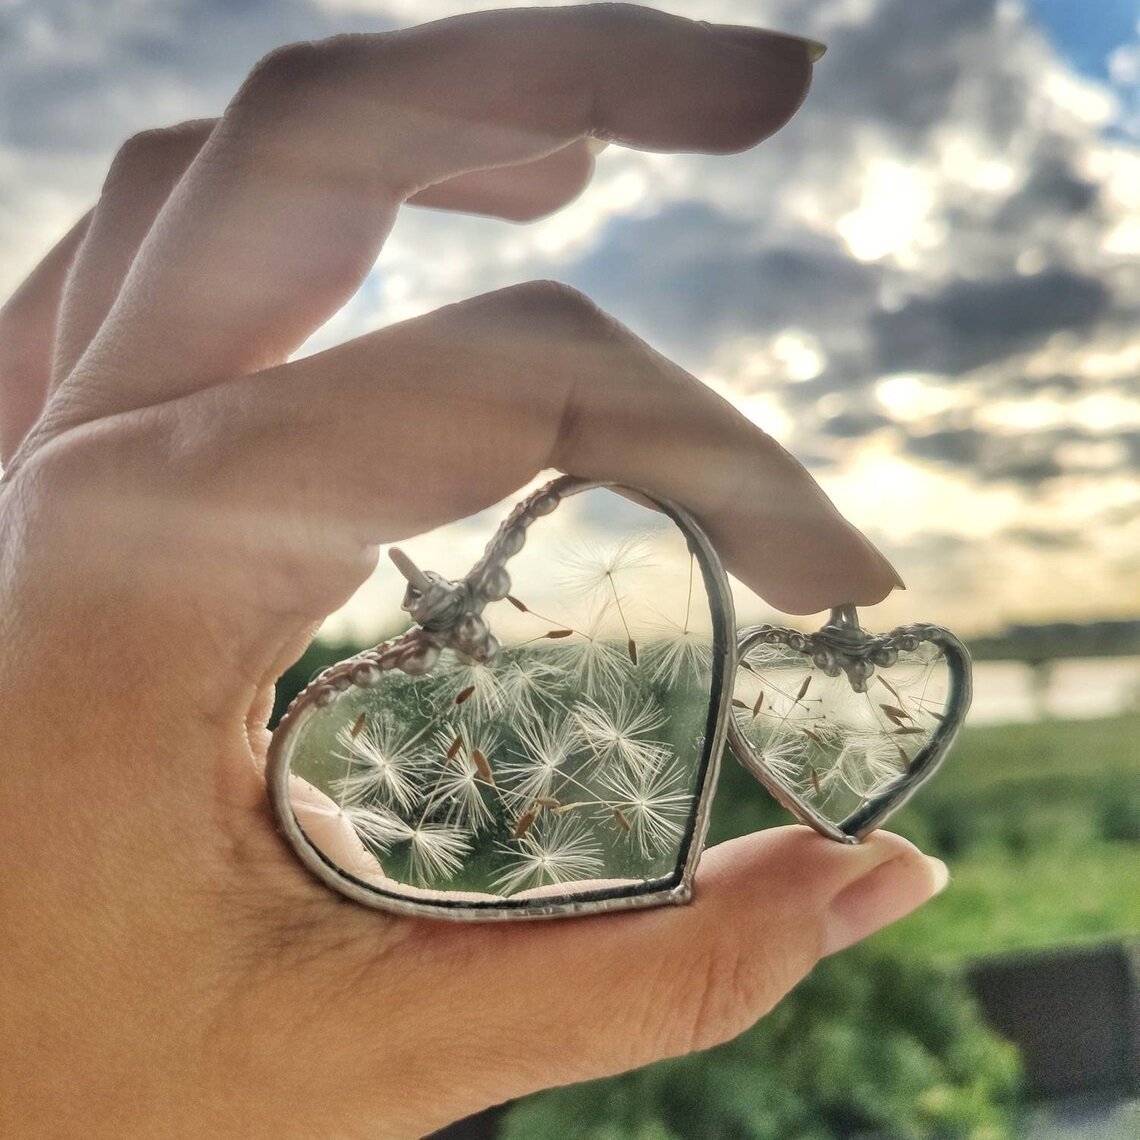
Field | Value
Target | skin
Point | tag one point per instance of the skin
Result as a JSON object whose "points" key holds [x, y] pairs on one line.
{"points": [[181, 508]]}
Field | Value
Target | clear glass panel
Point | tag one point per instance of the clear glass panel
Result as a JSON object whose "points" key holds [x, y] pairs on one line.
{"points": [[572, 762], [832, 747]]}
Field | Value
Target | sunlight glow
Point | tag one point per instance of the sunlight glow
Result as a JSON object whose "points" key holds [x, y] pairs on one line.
{"points": [[895, 202]]}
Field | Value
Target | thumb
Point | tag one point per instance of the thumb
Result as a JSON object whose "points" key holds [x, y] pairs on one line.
{"points": [[518, 1007]]}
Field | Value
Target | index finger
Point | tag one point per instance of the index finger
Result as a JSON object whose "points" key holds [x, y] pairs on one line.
{"points": [[285, 209]]}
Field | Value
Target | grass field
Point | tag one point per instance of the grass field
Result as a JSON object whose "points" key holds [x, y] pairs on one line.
{"points": [[1040, 824]]}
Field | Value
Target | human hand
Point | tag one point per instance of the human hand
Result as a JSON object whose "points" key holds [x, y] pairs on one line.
{"points": [[181, 509]]}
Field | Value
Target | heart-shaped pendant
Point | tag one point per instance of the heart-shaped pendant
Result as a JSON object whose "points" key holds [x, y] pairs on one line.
{"points": [[842, 726], [523, 751]]}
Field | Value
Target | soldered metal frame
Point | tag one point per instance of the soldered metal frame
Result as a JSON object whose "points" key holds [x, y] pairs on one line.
{"points": [[448, 615], [842, 645]]}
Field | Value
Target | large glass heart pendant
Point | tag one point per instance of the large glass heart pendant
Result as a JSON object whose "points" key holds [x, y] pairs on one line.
{"points": [[842, 726], [544, 740]]}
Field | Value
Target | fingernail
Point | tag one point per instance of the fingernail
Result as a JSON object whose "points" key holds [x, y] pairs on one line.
{"points": [[887, 893], [793, 47]]}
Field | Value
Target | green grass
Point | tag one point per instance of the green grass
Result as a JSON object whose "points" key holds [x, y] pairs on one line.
{"points": [[1040, 825]]}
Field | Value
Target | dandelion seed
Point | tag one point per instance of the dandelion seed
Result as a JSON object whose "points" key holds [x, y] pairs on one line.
{"points": [[889, 687], [384, 764], [435, 852], [464, 694], [895, 713], [549, 752], [589, 568], [652, 806], [803, 688], [677, 651], [597, 666], [555, 634], [377, 826], [739, 704], [592, 572], [454, 747], [558, 849], [618, 734], [460, 788], [482, 765], [358, 724], [524, 823], [520, 606], [865, 766]]}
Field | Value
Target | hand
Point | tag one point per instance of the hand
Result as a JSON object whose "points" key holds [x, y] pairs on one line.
{"points": [[181, 509]]}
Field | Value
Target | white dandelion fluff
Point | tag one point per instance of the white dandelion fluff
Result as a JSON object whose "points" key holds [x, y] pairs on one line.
{"points": [[436, 852], [558, 849], [465, 779], [549, 754], [384, 763], [590, 569], [864, 765], [651, 806], [678, 652], [377, 826], [621, 732], [526, 684]]}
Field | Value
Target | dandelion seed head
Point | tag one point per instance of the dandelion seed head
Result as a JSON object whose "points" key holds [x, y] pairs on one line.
{"points": [[655, 804], [592, 569], [385, 764], [678, 653], [549, 753], [558, 849], [621, 732]]}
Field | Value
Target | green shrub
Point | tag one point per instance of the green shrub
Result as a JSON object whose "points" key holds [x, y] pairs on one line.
{"points": [[867, 1046]]}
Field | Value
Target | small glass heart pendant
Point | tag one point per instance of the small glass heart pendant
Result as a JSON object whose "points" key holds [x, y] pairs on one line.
{"points": [[543, 741], [842, 726]]}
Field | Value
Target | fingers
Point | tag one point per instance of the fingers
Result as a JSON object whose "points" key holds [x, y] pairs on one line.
{"points": [[517, 1008], [289, 477], [145, 170], [148, 166], [286, 206], [27, 333]]}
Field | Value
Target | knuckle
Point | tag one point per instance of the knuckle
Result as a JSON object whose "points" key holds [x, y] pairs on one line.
{"points": [[154, 149], [558, 307], [291, 76]]}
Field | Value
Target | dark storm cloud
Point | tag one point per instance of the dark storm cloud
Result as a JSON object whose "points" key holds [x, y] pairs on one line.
{"points": [[968, 323], [78, 77], [1025, 458], [690, 277]]}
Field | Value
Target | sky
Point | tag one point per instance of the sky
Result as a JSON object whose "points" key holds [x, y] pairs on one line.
{"points": [[926, 286]]}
